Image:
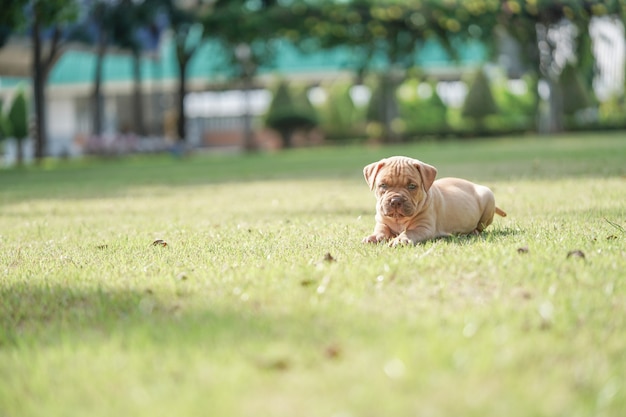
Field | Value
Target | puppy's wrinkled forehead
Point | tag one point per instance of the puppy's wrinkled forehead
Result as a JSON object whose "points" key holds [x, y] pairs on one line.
{"points": [[398, 171]]}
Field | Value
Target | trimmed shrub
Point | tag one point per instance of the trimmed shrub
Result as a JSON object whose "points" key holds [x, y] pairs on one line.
{"points": [[5, 127], [516, 111], [576, 96], [423, 113], [18, 116], [382, 114], [479, 102], [18, 121], [340, 119], [289, 112]]}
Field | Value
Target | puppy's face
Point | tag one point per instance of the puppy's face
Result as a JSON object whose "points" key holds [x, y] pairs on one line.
{"points": [[400, 185]]}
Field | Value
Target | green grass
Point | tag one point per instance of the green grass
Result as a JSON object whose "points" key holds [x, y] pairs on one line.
{"points": [[241, 314]]}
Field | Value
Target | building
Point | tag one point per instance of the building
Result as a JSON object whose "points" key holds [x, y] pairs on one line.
{"points": [[215, 104]]}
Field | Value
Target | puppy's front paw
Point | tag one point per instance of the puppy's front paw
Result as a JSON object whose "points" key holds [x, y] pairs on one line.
{"points": [[401, 240], [375, 238]]}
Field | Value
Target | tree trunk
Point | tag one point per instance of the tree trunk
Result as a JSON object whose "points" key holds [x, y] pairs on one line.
{"points": [[389, 109], [97, 100], [19, 152], [181, 122], [555, 104], [287, 135], [536, 105], [137, 95], [38, 93], [248, 134], [545, 62]]}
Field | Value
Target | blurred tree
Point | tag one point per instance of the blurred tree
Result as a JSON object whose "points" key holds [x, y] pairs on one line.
{"points": [[130, 25], [340, 119], [421, 108], [248, 33], [5, 127], [516, 109], [18, 122], [185, 22], [289, 113], [539, 27], [479, 102], [100, 22], [11, 18], [387, 35], [382, 110], [576, 96], [133, 21], [52, 15], [374, 31]]}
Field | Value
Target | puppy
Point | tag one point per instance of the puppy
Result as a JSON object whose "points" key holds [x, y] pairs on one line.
{"points": [[412, 207]]}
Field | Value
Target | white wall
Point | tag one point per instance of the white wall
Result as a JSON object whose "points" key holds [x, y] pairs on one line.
{"points": [[609, 48], [62, 127]]}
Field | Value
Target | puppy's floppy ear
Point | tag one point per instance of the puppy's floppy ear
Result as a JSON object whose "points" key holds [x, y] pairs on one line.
{"points": [[428, 173], [371, 171]]}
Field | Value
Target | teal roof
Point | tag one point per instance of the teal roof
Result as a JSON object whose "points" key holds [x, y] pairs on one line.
{"points": [[10, 82], [78, 67]]}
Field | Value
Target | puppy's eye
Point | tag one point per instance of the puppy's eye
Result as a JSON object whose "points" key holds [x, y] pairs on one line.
{"points": [[412, 186], [382, 186]]}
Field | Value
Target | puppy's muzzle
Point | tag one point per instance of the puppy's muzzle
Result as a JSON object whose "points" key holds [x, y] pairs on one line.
{"points": [[397, 206]]}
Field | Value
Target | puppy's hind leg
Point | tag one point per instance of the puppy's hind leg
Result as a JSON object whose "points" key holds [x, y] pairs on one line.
{"points": [[487, 217]]}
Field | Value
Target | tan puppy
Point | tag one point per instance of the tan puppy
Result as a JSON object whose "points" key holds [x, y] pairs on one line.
{"points": [[412, 207]]}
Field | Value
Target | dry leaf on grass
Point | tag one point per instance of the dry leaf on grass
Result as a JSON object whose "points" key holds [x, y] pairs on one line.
{"points": [[332, 351], [576, 254], [275, 364]]}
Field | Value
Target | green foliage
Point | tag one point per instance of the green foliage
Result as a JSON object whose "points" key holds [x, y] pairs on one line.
{"points": [[576, 96], [237, 23], [422, 113], [290, 111], [516, 110], [11, 18], [18, 116], [479, 102], [5, 127], [382, 113], [383, 103], [395, 30], [375, 109], [612, 112], [55, 12], [340, 119]]}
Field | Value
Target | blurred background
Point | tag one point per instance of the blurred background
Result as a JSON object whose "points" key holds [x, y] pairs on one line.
{"points": [[109, 77]]}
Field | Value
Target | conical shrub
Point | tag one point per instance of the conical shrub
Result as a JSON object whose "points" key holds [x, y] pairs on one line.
{"points": [[5, 127], [17, 119], [18, 116], [339, 114], [479, 102], [575, 95], [289, 112]]}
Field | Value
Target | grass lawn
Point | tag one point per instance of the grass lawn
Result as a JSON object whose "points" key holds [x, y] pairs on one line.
{"points": [[264, 302]]}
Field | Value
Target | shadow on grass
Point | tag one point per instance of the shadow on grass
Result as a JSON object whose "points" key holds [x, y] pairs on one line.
{"points": [[490, 234], [480, 161], [35, 317]]}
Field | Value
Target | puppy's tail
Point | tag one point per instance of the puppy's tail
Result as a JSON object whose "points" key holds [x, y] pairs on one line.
{"points": [[500, 212]]}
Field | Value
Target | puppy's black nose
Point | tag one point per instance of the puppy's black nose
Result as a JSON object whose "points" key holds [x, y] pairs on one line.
{"points": [[395, 202]]}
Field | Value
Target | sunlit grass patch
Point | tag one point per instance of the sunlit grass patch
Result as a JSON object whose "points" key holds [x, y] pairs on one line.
{"points": [[263, 301]]}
